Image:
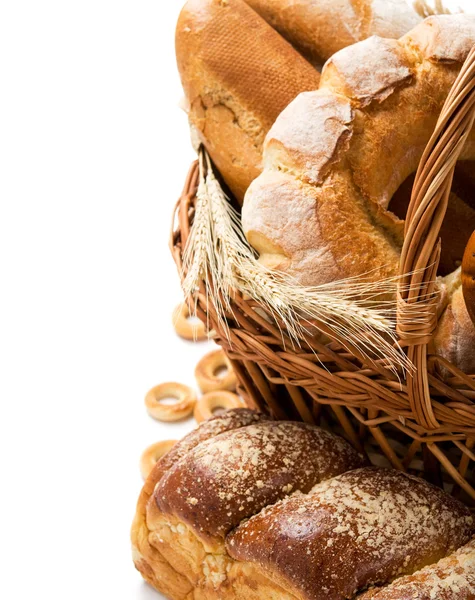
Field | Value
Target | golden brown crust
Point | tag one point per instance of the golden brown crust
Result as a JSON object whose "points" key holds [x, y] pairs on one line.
{"points": [[452, 578], [353, 530], [361, 528], [235, 474], [335, 157], [455, 336], [443, 39], [238, 74], [148, 559], [319, 29]]}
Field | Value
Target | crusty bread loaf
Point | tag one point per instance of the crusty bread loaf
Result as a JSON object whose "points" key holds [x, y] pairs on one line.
{"points": [[238, 74], [209, 526], [155, 568], [363, 527], [452, 578], [335, 157], [319, 29], [182, 514]]}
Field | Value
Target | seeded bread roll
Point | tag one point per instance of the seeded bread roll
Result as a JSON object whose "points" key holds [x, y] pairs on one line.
{"points": [[238, 74], [452, 578], [335, 157], [361, 528], [319, 29]]}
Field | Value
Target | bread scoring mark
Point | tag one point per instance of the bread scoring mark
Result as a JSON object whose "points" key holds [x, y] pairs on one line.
{"points": [[363, 14], [313, 132], [445, 38], [356, 70]]}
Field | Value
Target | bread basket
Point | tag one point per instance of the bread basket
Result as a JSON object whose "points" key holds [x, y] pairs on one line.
{"points": [[424, 422]]}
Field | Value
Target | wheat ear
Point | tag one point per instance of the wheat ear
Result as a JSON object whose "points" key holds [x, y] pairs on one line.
{"points": [[351, 310], [437, 7]]}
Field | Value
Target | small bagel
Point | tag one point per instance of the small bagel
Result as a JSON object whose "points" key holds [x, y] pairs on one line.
{"points": [[152, 454], [187, 330], [206, 373], [186, 400], [212, 401]]}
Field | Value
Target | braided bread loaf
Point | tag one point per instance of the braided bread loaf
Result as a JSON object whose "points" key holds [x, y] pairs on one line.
{"points": [[321, 210], [452, 578], [246, 508]]}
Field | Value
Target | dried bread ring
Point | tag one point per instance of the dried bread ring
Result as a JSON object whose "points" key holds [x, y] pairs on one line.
{"points": [[186, 400], [187, 330], [152, 454], [213, 401], [207, 373]]}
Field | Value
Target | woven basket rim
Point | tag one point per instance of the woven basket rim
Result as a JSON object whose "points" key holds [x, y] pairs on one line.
{"points": [[429, 408]]}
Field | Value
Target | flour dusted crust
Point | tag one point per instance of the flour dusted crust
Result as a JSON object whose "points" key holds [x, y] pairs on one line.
{"points": [[148, 560], [452, 578], [445, 38], [242, 62], [238, 74], [347, 148], [236, 463], [251, 509], [232, 476], [363, 527], [319, 29]]}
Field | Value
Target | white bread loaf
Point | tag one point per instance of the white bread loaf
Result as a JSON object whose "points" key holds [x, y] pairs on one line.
{"points": [[335, 157], [319, 29]]}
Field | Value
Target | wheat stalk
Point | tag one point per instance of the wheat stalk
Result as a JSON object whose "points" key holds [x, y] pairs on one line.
{"points": [[351, 310], [436, 7]]}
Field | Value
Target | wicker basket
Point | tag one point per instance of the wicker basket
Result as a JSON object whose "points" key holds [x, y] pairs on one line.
{"points": [[426, 425]]}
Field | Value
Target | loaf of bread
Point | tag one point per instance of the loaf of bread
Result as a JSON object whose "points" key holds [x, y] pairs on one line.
{"points": [[246, 508], [321, 210], [239, 70], [452, 578], [238, 74], [319, 29], [455, 336]]}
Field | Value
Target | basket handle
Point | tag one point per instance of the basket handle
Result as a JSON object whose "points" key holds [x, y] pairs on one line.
{"points": [[421, 249]]}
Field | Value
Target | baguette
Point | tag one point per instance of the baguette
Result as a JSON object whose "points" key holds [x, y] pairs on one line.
{"points": [[238, 74], [319, 29]]}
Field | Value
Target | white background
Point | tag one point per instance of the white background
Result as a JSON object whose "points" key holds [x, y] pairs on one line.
{"points": [[93, 154]]}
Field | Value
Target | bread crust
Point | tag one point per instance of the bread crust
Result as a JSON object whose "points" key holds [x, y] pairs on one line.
{"points": [[154, 567], [234, 475], [340, 153], [452, 578], [319, 29], [363, 527], [176, 547], [238, 74]]}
